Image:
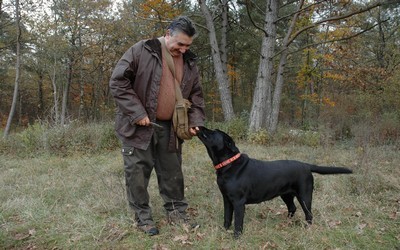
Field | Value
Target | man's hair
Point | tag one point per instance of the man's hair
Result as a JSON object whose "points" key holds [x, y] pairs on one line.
{"points": [[182, 24]]}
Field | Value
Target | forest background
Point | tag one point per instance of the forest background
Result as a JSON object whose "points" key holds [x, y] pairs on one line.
{"points": [[326, 66], [315, 81]]}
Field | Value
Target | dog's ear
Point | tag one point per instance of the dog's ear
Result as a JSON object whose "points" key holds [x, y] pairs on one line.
{"points": [[222, 132], [230, 143]]}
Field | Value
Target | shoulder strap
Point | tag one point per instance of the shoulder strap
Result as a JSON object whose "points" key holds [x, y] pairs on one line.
{"points": [[170, 62]]}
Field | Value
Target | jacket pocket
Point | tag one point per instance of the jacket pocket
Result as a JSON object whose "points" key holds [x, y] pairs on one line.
{"points": [[127, 151], [123, 126]]}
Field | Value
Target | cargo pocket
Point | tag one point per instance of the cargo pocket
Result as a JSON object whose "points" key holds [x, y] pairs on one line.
{"points": [[127, 151]]}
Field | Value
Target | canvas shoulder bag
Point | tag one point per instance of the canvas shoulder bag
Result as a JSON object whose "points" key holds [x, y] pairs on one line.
{"points": [[180, 120]]}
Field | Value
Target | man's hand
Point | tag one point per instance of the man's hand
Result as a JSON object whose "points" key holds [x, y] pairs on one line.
{"points": [[193, 131], [144, 122]]}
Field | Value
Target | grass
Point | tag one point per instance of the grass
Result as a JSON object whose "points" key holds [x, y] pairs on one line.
{"points": [[78, 201]]}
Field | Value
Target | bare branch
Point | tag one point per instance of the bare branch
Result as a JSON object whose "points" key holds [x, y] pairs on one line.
{"points": [[334, 18], [251, 19], [331, 41], [300, 10]]}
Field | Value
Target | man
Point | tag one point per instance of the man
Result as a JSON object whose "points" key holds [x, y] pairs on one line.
{"points": [[143, 87]]}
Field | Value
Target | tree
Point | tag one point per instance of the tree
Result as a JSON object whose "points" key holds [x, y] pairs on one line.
{"points": [[17, 69], [266, 100], [219, 55]]}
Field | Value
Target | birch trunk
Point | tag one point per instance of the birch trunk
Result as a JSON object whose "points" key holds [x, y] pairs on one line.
{"points": [[56, 113], [222, 78], [66, 94], [261, 107], [17, 71], [273, 123]]}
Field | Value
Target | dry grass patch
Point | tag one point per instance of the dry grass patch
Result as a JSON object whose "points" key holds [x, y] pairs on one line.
{"points": [[79, 201]]}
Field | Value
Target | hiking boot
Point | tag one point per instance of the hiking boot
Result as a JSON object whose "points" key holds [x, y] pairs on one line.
{"points": [[149, 229], [177, 218]]}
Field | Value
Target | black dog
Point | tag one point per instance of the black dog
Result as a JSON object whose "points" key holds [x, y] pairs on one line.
{"points": [[243, 180]]}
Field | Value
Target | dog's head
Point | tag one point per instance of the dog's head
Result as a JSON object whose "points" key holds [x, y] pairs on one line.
{"points": [[220, 146]]}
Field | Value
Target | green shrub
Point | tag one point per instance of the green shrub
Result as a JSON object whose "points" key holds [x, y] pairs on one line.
{"points": [[389, 127], [260, 137], [308, 138], [107, 139], [61, 140], [236, 128], [31, 139]]}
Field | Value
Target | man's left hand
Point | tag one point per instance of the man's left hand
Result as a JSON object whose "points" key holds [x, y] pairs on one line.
{"points": [[193, 131]]}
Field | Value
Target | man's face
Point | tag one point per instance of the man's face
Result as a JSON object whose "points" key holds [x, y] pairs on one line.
{"points": [[177, 44]]}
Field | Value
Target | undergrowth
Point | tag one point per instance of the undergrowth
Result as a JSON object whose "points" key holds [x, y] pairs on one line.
{"points": [[41, 138]]}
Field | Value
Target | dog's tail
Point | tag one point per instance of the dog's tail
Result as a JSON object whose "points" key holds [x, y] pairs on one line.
{"points": [[329, 170]]}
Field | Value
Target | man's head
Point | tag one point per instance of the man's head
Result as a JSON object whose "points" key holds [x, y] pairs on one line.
{"points": [[179, 36]]}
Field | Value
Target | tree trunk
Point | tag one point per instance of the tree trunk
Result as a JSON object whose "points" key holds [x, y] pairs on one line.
{"points": [[273, 123], [40, 94], [380, 48], [81, 93], [261, 107], [81, 80], [55, 113], [64, 104], [17, 71], [222, 78], [224, 31]]}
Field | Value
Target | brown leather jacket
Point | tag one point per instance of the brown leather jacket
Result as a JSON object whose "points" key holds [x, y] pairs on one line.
{"points": [[135, 83]]}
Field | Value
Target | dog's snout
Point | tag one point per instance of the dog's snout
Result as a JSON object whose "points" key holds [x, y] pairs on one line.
{"points": [[202, 135]]}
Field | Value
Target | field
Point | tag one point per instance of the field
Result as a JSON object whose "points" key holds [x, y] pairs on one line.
{"points": [[78, 202]]}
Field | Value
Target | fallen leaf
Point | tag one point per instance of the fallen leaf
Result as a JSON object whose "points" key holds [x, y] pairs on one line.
{"points": [[360, 228], [32, 232], [269, 245], [334, 224], [200, 236], [393, 215], [192, 211], [186, 228], [181, 238], [184, 239], [159, 247]]}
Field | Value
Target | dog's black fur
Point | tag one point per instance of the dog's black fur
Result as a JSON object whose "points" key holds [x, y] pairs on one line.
{"points": [[250, 181]]}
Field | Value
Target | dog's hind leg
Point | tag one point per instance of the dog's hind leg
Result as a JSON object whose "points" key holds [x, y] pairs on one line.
{"points": [[305, 199], [288, 199], [228, 213], [306, 205]]}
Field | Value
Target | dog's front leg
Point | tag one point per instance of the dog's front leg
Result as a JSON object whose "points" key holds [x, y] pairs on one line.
{"points": [[239, 210], [228, 213]]}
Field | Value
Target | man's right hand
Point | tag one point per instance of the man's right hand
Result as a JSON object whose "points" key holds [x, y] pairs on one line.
{"points": [[144, 122]]}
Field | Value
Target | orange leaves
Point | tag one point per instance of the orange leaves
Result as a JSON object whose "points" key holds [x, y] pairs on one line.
{"points": [[232, 74], [159, 9], [310, 78], [314, 98], [328, 102], [334, 76]]}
